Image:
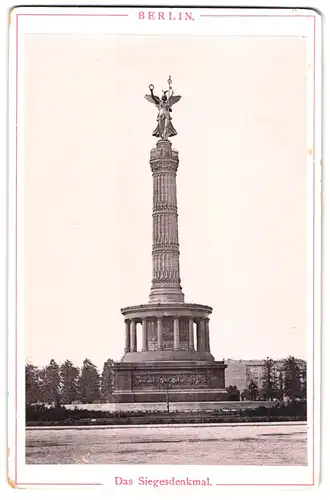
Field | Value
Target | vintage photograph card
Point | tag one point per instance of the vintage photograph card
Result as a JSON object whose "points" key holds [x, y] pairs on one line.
{"points": [[164, 248]]}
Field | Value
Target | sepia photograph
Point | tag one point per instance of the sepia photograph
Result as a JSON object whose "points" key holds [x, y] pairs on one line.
{"points": [[165, 238]]}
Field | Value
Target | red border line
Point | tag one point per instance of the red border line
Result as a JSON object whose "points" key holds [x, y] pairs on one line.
{"points": [[257, 15], [16, 281], [16, 246], [267, 484], [313, 286], [68, 15], [60, 484]]}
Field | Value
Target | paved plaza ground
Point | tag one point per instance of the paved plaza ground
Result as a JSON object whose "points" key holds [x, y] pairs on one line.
{"points": [[227, 444]]}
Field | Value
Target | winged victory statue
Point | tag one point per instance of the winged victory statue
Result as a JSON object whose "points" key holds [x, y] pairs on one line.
{"points": [[165, 128]]}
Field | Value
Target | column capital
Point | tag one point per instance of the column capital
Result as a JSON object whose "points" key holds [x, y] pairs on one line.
{"points": [[198, 320]]}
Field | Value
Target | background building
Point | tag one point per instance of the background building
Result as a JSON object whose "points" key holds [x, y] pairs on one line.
{"points": [[241, 372]]}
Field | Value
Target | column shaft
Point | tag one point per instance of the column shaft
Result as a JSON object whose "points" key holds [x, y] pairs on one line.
{"points": [[144, 335], [199, 336], [133, 335], [202, 335], [176, 333], [160, 334], [207, 335], [191, 335], [127, 336], [166, 281]]}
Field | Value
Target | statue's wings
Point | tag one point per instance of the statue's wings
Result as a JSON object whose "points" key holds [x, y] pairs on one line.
{"points": [[149, 98], [173, 99]]}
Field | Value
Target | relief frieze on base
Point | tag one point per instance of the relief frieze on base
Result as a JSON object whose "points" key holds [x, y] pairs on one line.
{"points": [[169, 381]]}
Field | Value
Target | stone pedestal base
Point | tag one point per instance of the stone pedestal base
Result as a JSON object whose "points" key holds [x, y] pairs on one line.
{"points": [[184, 381], [166, 294]]}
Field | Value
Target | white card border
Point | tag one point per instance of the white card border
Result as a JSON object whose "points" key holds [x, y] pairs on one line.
{"points": [[314, 142]]}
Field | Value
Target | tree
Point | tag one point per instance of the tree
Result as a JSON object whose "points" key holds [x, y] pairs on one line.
{"points": [[233, 393], [107, 379], [303, 381], [253, 391], [31, 384], [70, 382], [50, 383], [89, 383], [292, 378], [166, 383], [280, 385], [268, 380]]}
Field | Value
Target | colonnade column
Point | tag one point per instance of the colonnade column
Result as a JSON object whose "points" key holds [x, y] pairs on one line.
{"points": [[159, 334], [133, 335], [176, 333], [127, 336], [207, 334], [191, 335], [202, 335], [198, 335], [144, 335]]}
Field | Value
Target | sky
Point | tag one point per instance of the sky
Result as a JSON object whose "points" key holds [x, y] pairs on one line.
{"points": [[242, 189]]}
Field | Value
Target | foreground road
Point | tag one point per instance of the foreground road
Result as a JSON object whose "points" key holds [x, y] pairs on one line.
{"points": [[186, 445]]}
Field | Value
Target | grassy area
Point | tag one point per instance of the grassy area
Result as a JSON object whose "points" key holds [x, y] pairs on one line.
{"points": [[59, 415]]}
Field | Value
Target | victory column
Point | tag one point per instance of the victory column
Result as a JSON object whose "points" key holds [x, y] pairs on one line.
{"points": [[175, 358]]}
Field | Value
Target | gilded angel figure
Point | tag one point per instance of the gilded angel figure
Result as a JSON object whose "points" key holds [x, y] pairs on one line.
{"points": [[165, 128]]}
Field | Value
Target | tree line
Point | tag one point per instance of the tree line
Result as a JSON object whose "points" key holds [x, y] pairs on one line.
{"points": [[67, 384], [287, 381]]}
